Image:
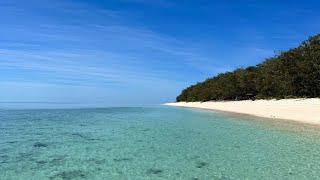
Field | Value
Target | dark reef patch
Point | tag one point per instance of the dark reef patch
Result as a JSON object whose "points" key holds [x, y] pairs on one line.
{"points": [[98, 161], [103, 161], [69, 175], [153, 149], [122, 159], [4, 156], [23, 156], [84, 137], [40, 145], [79, 135], [154, 171], [12, 142], [108, 149], [4, 159], [145, 130], [201, 164], [41, 162]]}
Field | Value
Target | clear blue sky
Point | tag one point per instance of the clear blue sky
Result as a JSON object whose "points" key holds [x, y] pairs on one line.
{"points": [[121, 52]]}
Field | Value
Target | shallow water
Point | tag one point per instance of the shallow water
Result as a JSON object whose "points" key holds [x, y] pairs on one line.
{"points": [[155, 142]]}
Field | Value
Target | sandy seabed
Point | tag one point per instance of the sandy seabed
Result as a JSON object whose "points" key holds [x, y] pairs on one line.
{"points": [[302, 110]]}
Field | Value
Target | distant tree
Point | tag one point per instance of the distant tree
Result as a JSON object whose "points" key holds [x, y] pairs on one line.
{"points": [[293, 73]]}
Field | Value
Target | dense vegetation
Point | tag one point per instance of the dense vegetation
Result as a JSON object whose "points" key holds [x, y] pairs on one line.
{"points": [[294, 73]]}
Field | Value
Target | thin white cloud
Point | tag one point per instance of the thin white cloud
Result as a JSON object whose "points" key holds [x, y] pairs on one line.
{"points": [[85, 49]]}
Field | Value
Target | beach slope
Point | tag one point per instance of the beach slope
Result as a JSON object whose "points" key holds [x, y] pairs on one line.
{"points": [[302, 110]]}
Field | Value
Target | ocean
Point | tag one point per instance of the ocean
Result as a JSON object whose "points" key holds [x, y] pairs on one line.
{"points": [[153, 142]]}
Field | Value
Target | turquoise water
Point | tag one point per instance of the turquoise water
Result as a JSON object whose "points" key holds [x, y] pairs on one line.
{"points": [[155, 142]]}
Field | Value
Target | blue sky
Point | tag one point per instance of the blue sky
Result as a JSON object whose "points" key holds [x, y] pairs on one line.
{"points": [[121, 52]]}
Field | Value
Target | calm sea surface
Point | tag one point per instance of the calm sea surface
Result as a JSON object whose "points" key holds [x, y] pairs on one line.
{"points": [[153, 142]]}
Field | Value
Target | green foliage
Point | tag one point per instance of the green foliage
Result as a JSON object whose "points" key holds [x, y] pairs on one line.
{"points": [[294, 73]]}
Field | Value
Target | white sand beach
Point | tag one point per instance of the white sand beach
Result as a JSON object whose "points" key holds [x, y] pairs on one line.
{"points": [[302, 110]]}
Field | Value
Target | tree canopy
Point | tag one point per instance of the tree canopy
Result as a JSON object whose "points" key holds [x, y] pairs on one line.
{"points": [[292, 73]]}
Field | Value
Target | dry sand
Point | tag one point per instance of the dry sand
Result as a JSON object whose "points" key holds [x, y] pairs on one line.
{"points": [[302, 110]]}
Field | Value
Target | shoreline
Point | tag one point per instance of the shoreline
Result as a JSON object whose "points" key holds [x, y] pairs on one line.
{"points": [[298, 110]]}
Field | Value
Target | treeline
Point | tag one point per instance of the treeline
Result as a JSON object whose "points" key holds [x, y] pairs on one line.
{"points": [[290, 74]]}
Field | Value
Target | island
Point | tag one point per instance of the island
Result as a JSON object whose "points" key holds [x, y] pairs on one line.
{"points": [[286, 86]]}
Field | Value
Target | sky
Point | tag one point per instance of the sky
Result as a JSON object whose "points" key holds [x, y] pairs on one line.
{"points": [[126, 52]]}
